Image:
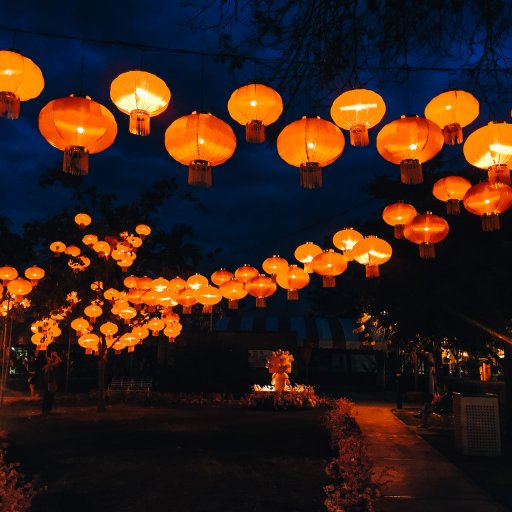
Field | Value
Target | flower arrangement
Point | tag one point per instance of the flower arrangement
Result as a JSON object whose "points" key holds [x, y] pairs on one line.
{"points": [[351, 470], [15, 494], [298, 396]]}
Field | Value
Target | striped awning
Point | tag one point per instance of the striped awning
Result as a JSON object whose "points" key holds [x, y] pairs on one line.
{"points": [[317, 331]]}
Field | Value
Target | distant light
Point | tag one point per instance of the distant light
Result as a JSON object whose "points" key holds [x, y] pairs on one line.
{"points": [[311, 145], [201, 141], [448, 107], [253, 103], [80, 130], [358, 107], [412, 147]]}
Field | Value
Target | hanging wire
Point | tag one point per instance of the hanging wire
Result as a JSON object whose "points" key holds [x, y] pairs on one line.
{"points": [[82, 66]]}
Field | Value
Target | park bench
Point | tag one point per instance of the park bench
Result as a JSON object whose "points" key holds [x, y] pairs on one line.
{"points": [[130, 388]]}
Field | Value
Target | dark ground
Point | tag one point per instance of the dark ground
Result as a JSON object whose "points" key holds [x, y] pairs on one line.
{"points": [[492, 474], [180, 459]]}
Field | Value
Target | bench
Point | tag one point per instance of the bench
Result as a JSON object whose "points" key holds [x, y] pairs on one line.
{"points": [[130, 388]]}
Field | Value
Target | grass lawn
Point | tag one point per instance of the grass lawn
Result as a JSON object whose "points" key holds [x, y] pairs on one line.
{"points": [[180, 459]]}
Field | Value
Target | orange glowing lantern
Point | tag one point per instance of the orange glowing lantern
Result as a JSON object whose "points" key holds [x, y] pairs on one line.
{"points": [[488, 202], [83, 220], [451, 190], [143, 230], [372, 252], [151, 299], [490, 148], [109, 329], [57, 248], [310, 144], [8, 274], [274, 265], [20, 80], [172, 331], [19, 287], [176, 284], [233, 290], [102, 248], [159, 284], [35, 274], [80, 325], [451, 111], [186, 298], [293, 279], [208, 296], [427, 230], [220, 276], [329, 264], [245, 273], [72, 250], [89, 341], [89, 240], [357, 111], [155, 325], [79, 127], [111, 294], [125, 311], [144, 283], [397, 215], [345, 240], [197, 281], [130, 282], [93, 311], [200, 141], [410, 141], [261, 287], [305, 254], [255, 106], [141, 95]]}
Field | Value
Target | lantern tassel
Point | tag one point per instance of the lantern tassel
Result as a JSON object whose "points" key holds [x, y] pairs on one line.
{"points": [[232, 304], [499, 174], [76, 161], [187, 310], [292, 295], [200, 174], [9, 105], [398, 231], [427, 251], [410, 172], [453, 134], [207, 308], [261, 302], [359, 135], [328, 282], [139, 122], [372, 271], [255, 132], [310, 175], [453, 207], [491, 222]]}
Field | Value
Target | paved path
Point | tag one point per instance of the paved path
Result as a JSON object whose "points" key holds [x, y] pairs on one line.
{"points": [[420, 478]]}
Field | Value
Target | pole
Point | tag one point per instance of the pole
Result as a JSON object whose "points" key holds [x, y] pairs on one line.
{"points": [[68, 361], [3, 378]]}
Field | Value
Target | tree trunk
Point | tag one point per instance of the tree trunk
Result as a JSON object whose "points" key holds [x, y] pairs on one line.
{"points": [[101, 380]]}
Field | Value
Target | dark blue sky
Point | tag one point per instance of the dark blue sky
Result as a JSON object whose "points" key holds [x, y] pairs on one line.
{"points": [[255, 207]]}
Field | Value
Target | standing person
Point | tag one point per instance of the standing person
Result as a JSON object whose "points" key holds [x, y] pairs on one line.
{"points": [[31, 376], [49, 380]]}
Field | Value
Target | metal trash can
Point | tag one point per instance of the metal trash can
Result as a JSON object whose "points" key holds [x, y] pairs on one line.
{"points": [[477, 424]]}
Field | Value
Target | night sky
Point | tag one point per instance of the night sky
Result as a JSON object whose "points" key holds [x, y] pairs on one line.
{"points": [[255, 207]]}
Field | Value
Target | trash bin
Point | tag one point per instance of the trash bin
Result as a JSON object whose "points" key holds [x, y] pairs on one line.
{"points": [[477, 424]]}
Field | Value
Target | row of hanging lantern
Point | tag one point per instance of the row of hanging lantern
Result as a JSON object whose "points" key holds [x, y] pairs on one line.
{"points": [[80, 126]]}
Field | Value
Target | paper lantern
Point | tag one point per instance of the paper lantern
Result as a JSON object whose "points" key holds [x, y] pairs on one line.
{"points": [[305, 254], [221, 276], [329, 264], [197, 281], [233, 290], [186, 298], [83, 220], [143, 230], [451, 190], [310, 144], [80, 324], [159, 284], [255, 106], [261, 287], [72, 250], [79, 127], [7, 274], [141, 95], [274, 265], [155, 325], [245, 273], [200, 141], [397, 215], [410, 141], [89, 341], [490, 148], [93, 311], [292, 279], [35, 274], [89, 240], [172, 331], [144, 283], [57, 248], [451, 111], [372, 252], [131, 282], [426, 230], [358, 110], [345, 240], [208, 296], [19, 287], [20, 80], [488, 201]]}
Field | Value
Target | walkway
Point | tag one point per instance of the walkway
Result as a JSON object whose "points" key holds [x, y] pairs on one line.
{"points": [[420, 478]]}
